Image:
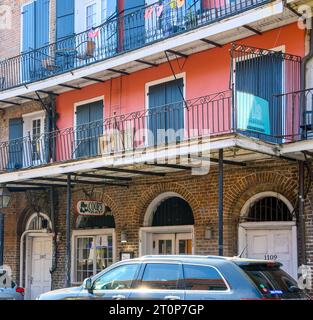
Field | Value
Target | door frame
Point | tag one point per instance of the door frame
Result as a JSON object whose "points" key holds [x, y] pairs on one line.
{"points": [[269, 225], [28, 118], [146, 234], [28, 258], [92, 233]]}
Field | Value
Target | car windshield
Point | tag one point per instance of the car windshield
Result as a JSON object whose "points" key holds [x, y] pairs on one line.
{"points": [[273, 282]]}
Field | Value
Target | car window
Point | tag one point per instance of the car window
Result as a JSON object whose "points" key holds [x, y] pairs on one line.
{"points": [[203, 278], [273, 282], [116, 279], [161, 276]]}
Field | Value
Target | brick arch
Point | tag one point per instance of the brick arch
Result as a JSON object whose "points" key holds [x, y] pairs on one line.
{"points": [[101, 195], [246, 187], [154, 191]]}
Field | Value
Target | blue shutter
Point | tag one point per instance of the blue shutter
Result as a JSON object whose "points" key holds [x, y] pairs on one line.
{"points": [[260, 77], [42, 23], [165, 110], [64, 18], [134, 25], [89, 119], [16, 144], [96, 126], [28, 41], [175, 108], [157, 100], [28, 27]]}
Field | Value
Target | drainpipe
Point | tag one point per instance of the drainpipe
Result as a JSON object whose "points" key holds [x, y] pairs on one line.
{"points": [[1, 238], [304, 84], [54, 231], [68, 231], [301, 212], [220, 202]]}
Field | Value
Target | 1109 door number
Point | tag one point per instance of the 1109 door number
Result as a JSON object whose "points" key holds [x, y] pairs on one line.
{"points": [[270, 257]]}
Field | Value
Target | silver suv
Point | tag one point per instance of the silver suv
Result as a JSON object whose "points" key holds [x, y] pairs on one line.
{"points": [[185, 278]]}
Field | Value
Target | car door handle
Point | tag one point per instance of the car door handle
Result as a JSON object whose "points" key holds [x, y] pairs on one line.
{"points": [[119, 297], [172, 298]]}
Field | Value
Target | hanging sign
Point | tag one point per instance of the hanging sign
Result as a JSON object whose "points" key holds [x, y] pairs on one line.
{"points": [[90, 208]]}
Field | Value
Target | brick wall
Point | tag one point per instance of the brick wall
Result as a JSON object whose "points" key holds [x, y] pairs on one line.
{"points": [[201, 192], [11, 39]]}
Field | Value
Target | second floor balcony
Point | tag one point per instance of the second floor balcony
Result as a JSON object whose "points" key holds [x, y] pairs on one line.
{"points": [[117, 35], [202, 118]]}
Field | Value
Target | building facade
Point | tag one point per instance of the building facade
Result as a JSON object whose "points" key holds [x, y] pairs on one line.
{"points": [[130, 128]]}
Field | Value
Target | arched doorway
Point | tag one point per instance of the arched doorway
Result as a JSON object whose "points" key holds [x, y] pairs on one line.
{"points": [[36, 247], [268, 230], [93, 245], [168, 226]]}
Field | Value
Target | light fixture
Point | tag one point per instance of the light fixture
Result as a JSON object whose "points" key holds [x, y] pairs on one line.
{"points": [[123, 236], [5, 197], [208, 234]]}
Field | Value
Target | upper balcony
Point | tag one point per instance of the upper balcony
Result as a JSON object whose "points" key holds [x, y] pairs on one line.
{"points": [[130, 42]]}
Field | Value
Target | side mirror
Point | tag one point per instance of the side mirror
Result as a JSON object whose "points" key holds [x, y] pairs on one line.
{"points": [[88, 284]]}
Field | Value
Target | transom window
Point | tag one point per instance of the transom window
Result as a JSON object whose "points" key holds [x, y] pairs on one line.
{"points": [[173, 211], [38, 221], [269, 209]]}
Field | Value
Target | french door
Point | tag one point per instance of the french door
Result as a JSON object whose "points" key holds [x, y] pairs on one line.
{"points": [[166, 244]]}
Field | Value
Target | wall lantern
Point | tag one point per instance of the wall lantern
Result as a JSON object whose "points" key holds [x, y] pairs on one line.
{"points": [[208, 233], [5, 197], [123, 236]]}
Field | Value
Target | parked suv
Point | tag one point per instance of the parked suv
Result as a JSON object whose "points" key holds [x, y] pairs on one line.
{"points": [[186, 278]]}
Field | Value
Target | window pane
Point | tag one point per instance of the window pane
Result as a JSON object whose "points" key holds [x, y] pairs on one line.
{"points": [[160, 276], [84, 258], [203, 278], [273, 281], [104, 252], [91, 16], [117, 279]]}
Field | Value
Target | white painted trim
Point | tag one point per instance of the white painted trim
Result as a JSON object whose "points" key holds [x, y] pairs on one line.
{"points": [[155, 203], [43, 215], [34, 114], [261, 195], [247, 17], [92, 233]]}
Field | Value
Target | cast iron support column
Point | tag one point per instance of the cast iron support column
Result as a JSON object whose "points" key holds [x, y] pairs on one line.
{"points": [[68, 231], [301, 211], [1, 238], [220, 202]]}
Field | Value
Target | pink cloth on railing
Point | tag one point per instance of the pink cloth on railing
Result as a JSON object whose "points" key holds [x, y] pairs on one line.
{"points": [[211, 4]]}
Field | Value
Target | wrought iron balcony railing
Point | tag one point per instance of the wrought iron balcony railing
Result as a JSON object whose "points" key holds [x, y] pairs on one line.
{"points": [[117, 35], [212, 115]]}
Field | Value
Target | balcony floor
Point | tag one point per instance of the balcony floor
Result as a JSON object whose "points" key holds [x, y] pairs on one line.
{"points": [[238, 150]]}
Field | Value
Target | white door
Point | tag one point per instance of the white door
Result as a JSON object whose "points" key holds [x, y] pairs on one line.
{"points": [[172, 243], [34, 148], [40, 265], [271, 245], [163, 244]]}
